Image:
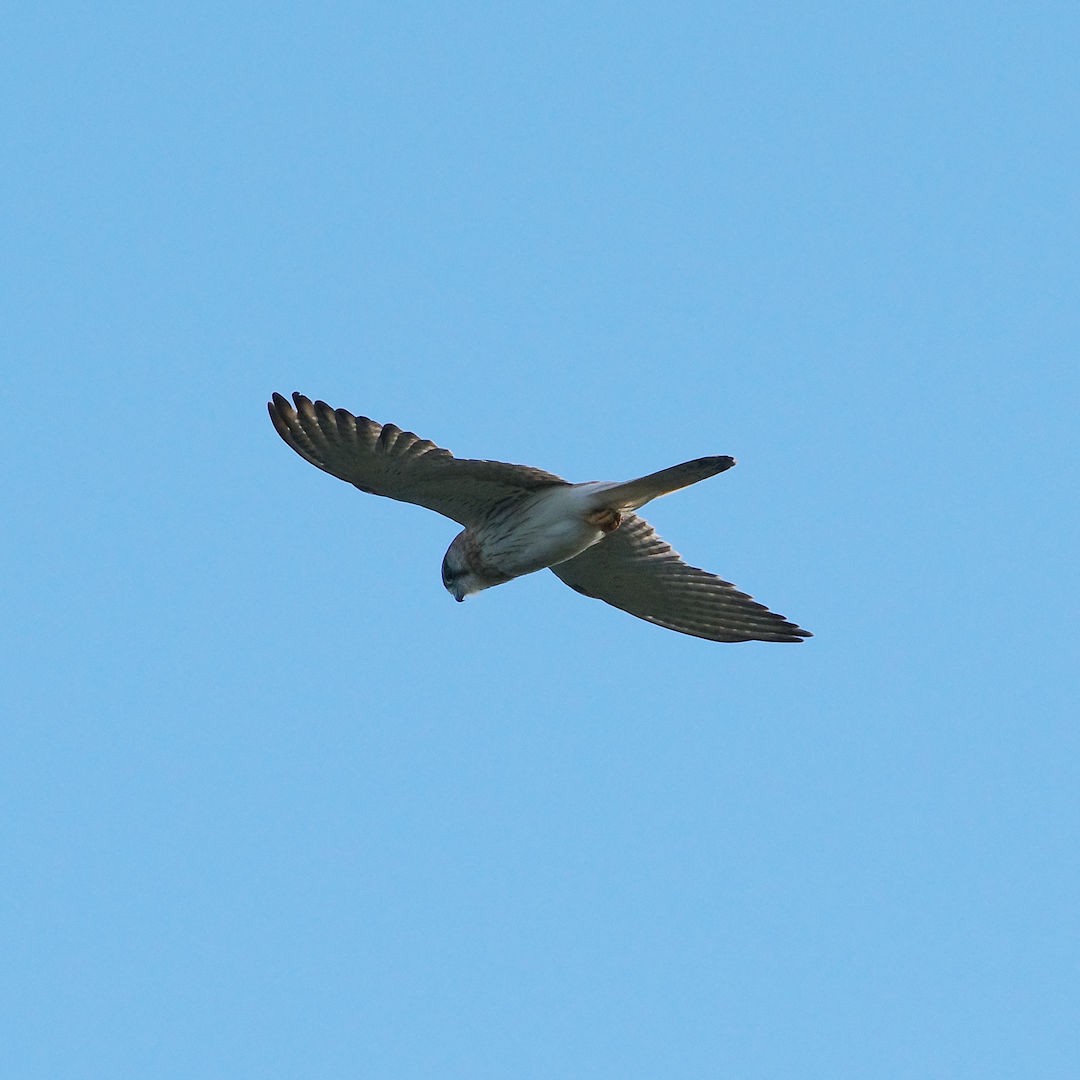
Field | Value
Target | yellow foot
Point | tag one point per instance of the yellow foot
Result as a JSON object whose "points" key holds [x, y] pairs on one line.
{"points": [[606, 520]]}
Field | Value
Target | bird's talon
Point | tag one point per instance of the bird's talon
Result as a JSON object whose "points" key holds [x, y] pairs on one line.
{"points": [[606, 519]]}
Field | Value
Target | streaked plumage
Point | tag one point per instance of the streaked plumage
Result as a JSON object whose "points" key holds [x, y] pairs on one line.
{"points": [[518, 519]]}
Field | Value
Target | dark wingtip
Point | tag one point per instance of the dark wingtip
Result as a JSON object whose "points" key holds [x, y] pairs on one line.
{"points": [[278, 403]]}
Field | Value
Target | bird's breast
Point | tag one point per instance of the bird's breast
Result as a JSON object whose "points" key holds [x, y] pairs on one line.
{"points": [[537, 531]]}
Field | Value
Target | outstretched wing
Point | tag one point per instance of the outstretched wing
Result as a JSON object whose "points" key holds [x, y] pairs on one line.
{"points": [[384, 460], [633, 569]]}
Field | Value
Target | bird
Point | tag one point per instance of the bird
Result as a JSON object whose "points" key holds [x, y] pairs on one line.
{"points": [[518, 519]]}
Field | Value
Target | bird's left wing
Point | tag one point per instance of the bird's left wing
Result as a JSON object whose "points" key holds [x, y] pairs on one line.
{"points": [[384, 460], [633, 569]]}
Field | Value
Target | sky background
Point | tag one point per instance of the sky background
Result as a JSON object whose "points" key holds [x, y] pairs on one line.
{"points": [[274, 806]]}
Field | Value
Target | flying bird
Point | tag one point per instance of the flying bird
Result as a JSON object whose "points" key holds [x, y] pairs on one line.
{"points": [[518, 519]]}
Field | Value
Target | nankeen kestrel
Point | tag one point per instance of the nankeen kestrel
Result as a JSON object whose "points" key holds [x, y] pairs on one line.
{"points": [[519, 519]]}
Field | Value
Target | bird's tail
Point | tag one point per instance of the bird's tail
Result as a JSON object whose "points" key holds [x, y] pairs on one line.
{"points": [[635, 493]]}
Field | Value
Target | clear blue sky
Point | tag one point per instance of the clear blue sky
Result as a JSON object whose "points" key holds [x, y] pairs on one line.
{"points": [[273, 805]]}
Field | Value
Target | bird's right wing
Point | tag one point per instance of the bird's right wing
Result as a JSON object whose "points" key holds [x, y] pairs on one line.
{"points": [[384, 460], [633, 569]]}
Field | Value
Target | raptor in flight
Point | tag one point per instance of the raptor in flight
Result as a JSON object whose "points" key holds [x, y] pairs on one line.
{"points": [[519, 519]]}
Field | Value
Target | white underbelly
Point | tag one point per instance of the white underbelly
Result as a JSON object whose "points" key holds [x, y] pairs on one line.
{"points": [[541, 532]]}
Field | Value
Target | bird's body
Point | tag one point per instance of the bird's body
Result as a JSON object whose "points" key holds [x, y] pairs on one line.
{"points": [[528, 533], [519, 520]]}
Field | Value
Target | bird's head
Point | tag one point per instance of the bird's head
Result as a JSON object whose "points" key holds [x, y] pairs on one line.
{"points": [[460, 575]]}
